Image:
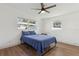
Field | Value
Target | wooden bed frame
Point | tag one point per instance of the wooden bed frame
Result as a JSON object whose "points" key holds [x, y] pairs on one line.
{"points": [[45, 51], [48, 49]]}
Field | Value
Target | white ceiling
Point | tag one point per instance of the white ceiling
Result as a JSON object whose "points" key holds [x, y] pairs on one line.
{"points": [[60, 9]]}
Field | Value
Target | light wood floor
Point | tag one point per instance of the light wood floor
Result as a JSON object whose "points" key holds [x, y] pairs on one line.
{"points": [[24, 50]]}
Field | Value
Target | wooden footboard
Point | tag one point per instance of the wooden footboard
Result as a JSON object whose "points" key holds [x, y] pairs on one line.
{"points": [[53, 45]]}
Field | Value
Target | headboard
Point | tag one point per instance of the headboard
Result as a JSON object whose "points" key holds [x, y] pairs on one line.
{"points": [[28, 33]]}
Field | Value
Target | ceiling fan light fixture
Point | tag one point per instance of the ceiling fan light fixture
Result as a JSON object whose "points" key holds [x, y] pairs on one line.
{"points": [[42, 11]]}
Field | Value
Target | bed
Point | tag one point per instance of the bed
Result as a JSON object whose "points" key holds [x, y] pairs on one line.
{"points": [[38, 42]]}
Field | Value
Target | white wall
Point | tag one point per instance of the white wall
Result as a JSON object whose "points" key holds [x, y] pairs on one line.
{"points": [[9, 33], [70, 28]]}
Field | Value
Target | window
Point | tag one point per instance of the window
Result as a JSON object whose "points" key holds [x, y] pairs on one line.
{"points": [[56, 25], [25, 24]]}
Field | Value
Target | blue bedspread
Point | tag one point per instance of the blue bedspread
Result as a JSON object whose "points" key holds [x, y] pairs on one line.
{"points": [[38, 42]]}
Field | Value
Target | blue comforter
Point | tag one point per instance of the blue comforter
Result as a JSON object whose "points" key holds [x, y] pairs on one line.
{"points": [[38, 42]]}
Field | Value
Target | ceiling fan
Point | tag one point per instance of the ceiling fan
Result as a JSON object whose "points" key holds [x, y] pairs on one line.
{"points": [[44, 9]]}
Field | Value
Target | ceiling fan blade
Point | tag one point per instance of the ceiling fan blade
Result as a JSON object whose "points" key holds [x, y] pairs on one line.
{"points": [[36, 9], [42, 5], [47, 11], [50, 6], [39, 12]]}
